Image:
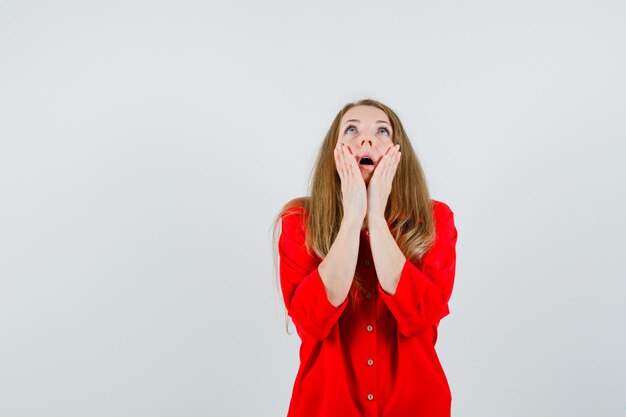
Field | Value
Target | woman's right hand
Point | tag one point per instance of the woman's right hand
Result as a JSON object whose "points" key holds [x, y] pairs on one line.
{"points": [[354, 192]]}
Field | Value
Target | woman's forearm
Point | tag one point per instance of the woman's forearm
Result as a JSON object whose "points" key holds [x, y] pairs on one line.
{"points": [[387, 256], [337, 268]]}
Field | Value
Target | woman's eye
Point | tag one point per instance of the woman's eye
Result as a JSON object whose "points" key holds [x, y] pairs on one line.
{"points": [[354, 127]]}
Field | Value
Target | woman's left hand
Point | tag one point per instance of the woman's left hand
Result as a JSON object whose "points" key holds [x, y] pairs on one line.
{"points": [[379, 186]]}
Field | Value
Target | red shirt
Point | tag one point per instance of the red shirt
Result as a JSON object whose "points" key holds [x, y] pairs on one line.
{"points": [[380, 359]]}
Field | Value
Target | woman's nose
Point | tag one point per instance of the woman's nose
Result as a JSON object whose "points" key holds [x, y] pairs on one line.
{"points": [[366, 141]]}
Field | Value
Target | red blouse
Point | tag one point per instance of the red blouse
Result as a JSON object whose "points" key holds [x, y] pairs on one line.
{"points": [[380, 359]]}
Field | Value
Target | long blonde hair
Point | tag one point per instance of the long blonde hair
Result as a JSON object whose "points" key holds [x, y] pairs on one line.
{"points": [[409, 208]]}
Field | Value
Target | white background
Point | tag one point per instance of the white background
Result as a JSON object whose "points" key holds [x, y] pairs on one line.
{"points": [[145, 148]]}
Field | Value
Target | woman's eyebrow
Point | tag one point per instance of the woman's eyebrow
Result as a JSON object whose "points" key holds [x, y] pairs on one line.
{"points": [[358, 121]]}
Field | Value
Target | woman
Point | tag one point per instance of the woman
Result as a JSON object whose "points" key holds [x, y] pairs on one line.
{"points": [[367, 266]]}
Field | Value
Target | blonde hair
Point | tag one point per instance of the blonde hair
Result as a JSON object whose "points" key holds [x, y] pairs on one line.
{"points": [[409, 208]]}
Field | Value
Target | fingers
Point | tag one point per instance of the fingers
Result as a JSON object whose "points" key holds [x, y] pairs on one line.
{"points": [[392, 157], [388, 164], [352, 166], [348, 168], [339, 162], [394, 160], [346, 162]]}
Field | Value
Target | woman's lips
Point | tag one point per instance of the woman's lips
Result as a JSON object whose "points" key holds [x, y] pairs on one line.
{"points": [[366, 159], [368, 166]]}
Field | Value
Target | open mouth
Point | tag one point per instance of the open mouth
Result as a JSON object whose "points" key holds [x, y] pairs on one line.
{"points": [[366, 161]]}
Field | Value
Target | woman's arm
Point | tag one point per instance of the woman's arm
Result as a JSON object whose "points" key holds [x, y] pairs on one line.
{"points": [[338, 267], [315, 293], [417, 296], [387, 256]]}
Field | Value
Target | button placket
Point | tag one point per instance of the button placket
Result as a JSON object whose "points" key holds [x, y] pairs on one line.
{"points": [[370, 376]]}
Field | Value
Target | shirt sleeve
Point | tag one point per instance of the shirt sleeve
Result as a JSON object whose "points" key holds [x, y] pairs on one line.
{"points": [[301, 284], [422, 294]]}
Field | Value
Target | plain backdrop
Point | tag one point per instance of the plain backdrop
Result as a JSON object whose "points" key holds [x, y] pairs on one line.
{"points": [[146, 147]]}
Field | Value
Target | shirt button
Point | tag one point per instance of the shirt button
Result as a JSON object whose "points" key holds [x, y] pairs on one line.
{"points": [[370, 328], [367, 263], [370, 362], [368, 295], [370, 397]]}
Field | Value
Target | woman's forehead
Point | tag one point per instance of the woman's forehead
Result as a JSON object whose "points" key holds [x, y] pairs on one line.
{"points": [[365, 113]]}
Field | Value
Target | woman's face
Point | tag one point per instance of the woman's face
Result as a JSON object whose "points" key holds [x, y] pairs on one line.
{"points": [[366, 131]]}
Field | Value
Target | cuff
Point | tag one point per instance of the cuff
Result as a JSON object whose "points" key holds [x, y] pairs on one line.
{"points": [[312, 310], [407, 303]]}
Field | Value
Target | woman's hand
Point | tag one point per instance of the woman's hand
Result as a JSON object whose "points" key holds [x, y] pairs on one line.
{"points": [[379, 187], [354, 193]]}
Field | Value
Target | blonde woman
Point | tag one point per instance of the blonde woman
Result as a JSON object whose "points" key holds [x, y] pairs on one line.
{"points": [[367, 265]]}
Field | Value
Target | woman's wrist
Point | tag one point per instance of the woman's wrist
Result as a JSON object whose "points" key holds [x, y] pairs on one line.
{"points": [[352, 222], [376, 221]]}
